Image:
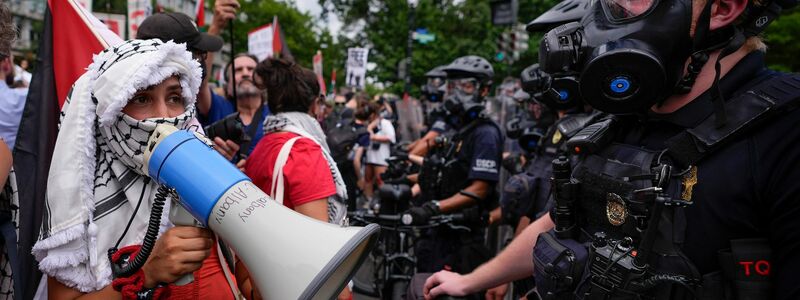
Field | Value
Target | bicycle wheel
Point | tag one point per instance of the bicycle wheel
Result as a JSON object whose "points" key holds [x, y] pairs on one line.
{"points": [[365, 281], [399, 289]]}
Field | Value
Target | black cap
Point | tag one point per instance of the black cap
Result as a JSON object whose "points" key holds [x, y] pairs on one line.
{"points": [[179, 28]]}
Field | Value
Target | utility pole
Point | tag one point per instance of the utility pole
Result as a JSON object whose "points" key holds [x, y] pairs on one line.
{"points": [[412, 6]]}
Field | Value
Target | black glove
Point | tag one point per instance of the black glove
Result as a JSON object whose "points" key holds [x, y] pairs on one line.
{"points": [[401, 155], [420, 214]]}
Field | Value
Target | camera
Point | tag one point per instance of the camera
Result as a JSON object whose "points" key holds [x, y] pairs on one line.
{"points": [[230, 127]]}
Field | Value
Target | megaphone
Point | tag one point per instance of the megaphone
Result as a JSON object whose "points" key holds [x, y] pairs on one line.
{"points": [[289, 255]]}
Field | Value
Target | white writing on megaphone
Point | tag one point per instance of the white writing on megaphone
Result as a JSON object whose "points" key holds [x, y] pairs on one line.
{"points": [[230, 202]]}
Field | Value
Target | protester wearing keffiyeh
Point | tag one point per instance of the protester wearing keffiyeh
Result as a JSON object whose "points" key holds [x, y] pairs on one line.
{"points": [[96, 177]]}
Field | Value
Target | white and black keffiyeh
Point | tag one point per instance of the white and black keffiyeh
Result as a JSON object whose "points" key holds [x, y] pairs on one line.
{"points": [[96, 176], [306, 126]]}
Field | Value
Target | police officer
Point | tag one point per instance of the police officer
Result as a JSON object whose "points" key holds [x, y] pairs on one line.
{"points": [[694, 184], [433, 94], [542, 138], [469, 179]]}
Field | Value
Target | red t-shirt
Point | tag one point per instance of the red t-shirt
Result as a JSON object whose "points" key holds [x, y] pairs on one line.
{"points": [[209, 282], [306, 175]]}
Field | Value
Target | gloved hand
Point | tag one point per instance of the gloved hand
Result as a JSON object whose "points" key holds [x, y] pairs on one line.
{"points": [[420, 214], [401, 155]]}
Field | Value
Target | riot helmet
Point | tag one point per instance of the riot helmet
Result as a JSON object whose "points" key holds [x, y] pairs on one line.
{"points": [[434, 89], [466, 79], [564, 12]]}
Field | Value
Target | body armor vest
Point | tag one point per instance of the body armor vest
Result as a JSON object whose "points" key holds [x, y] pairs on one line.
{"points": [[442, 175]]}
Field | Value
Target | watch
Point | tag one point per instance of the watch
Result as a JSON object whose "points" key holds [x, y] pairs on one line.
{"points": [[438, 206]]}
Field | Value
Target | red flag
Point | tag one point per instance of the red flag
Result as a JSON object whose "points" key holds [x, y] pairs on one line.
{"points": [[277, 43], [333, 81], [317, 62], [200, 13], [77, 35], [279, 46]]}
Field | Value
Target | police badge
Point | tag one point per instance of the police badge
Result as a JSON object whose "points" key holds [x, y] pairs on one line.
{"points": [[689, 181], [615, 209]]}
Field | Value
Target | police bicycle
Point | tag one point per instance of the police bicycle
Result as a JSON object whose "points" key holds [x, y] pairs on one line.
{"points": [[392, 263]]}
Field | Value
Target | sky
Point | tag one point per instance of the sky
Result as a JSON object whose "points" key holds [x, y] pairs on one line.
{"points": [[313, 8]]}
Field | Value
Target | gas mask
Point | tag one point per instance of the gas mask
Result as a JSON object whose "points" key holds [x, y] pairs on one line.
{"points": [[526, 131], [530, 138], [557, 91], [434, 89], [464, 102], [629, 55], [530, 126]]}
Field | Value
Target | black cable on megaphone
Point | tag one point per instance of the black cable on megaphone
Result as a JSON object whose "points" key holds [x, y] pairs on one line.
{"points": [[149, 240]]}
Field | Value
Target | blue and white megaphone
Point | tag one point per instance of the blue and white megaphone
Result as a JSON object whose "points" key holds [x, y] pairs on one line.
{"points": [[289, 255]]}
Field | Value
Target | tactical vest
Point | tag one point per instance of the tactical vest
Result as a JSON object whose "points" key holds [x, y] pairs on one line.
{"points": [[441, 175], [619, 211]]}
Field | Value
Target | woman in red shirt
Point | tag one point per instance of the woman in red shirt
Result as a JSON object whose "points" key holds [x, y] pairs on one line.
{"points": [[309, 175]]}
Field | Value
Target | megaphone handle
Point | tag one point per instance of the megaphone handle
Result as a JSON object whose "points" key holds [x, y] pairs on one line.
{"points": [[181, 217]]}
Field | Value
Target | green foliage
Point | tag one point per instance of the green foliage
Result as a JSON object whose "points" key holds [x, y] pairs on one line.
{"points": [[110, 6], [782, 39], [461, 28], [298, 28]]}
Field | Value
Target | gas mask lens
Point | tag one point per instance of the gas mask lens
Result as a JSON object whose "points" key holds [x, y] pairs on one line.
{"points": [[624, 10], [466, 86], [435, 83]]}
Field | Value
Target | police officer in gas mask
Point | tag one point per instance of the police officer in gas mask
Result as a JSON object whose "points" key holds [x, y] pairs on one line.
{"points": [[433, 94], [689, 191], [467, 172]]}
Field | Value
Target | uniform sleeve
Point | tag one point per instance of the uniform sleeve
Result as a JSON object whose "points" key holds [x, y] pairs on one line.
{"points": [[486, 155], [777, 175], [307, 174], [220, 107]]}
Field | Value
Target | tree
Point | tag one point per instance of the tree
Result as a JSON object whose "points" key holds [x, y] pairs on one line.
{"points": [[302, 36], [781, 37], [461, 28]]}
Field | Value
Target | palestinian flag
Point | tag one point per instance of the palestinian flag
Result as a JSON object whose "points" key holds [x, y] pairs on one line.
{"points": [[71, 36], [200, 13], [279, 46]]}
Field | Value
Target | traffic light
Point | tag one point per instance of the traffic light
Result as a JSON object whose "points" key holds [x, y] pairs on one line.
{"points": [[519, 41], [510, 44], [503, 46]]}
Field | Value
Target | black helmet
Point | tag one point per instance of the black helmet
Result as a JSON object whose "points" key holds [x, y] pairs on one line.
{"points": [[471, 66], [436, 72], [434, 89], [564, 12]]}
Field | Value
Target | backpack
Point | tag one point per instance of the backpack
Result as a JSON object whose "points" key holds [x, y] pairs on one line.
{"points": [[342, 138]]}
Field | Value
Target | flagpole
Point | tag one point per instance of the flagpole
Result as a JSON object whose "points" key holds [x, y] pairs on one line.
{"points": [[233, 58]]}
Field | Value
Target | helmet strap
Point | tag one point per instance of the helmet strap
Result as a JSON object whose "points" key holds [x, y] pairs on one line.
{"points": [[699, 55]]}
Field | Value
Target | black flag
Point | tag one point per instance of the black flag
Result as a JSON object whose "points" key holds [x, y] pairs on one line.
{"points": [[36, 139]]}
